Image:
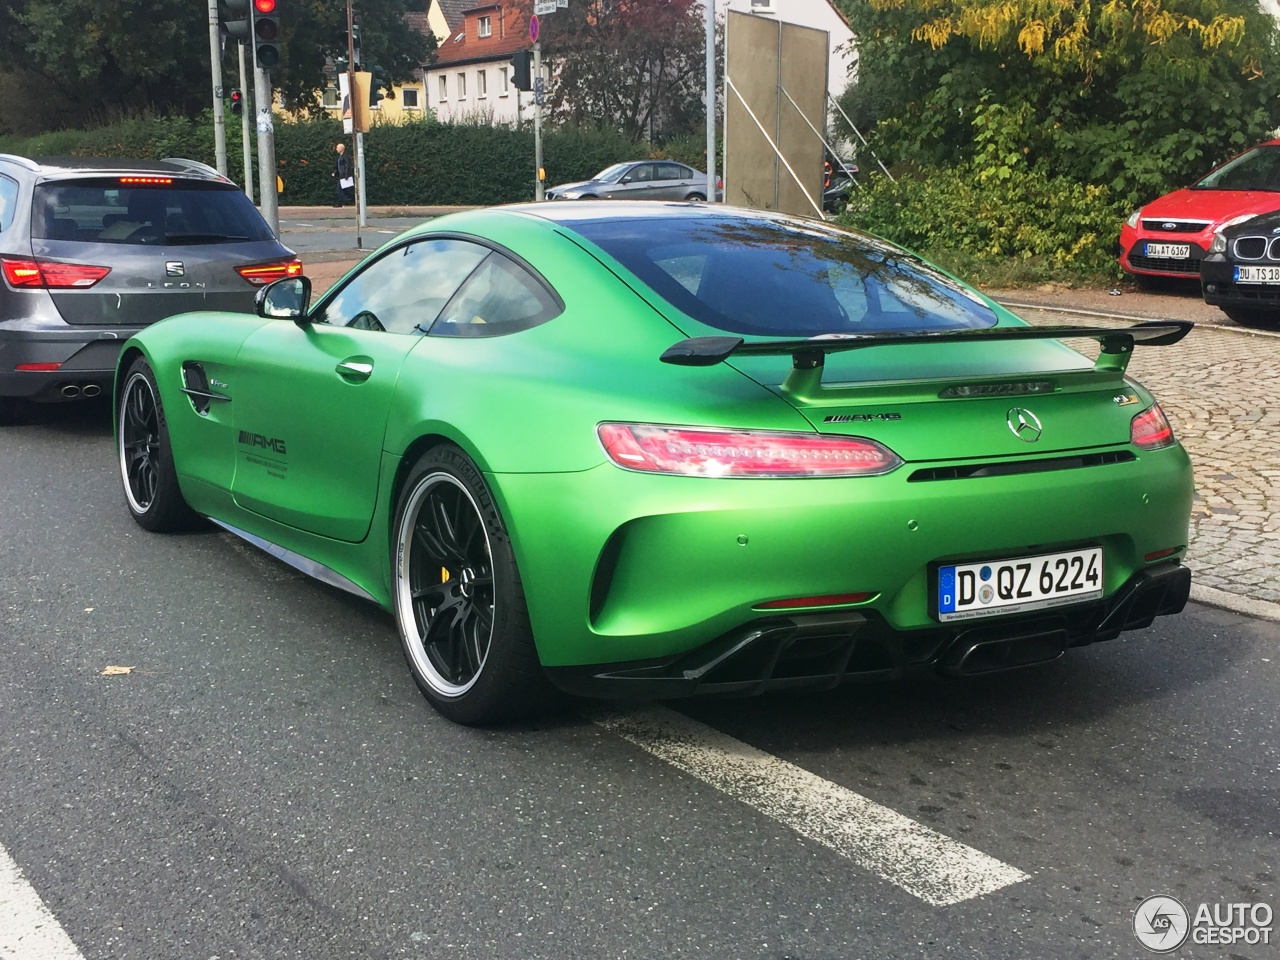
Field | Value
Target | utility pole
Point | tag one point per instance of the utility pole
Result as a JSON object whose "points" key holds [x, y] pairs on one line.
{"points": [[266, 147], [711, 99], [215, 75], [539, 90], [246, 135]]}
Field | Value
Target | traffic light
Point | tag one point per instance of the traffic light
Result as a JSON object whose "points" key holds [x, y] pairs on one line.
{"points": [[352, 47], [378, 81], [233, 19], [522, 69], [266, 33], [237, 102]]}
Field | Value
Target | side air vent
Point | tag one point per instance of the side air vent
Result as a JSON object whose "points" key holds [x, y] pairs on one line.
{"points": [[195, 384], [1014, 467]]}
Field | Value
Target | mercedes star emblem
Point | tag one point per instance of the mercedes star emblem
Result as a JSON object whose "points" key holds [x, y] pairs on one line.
{"points": [[1024, 424]]}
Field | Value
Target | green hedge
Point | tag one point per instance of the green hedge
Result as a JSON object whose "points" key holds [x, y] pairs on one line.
{"points": [[413, 163], [1020, 226]]}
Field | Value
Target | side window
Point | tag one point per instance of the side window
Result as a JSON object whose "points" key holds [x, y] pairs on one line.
{"points": [[8, 202], [500, 297], [404, 291], [672, 171], [641, 174]]}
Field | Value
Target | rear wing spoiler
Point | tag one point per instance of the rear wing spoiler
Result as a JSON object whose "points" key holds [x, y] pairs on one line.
{"points": [[809, 356]]}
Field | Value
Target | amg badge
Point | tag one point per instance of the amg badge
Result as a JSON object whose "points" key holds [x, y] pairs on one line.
{"points": [[860, 417], [274, 444]]}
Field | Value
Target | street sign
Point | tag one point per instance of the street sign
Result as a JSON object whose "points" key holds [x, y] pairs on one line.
{"points": [[562, 4], [539, 90], [542, 7], [533, 28]]}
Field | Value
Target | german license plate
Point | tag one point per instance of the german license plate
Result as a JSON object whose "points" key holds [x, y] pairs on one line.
{"points": [[1257, 274], [969, 590], [1169, 251]]}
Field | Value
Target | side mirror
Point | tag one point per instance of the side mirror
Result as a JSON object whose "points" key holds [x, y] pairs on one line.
{"points": [[626, 179], [287, 299]]}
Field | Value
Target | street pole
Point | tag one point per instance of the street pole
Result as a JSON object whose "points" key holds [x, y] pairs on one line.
{"points": [[711, 100], [538, 93], [266, 146], [246, 132], [357, 168], [215, 75]]}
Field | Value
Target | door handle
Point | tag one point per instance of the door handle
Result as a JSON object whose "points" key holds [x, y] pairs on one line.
{"points": [[355, 371]]}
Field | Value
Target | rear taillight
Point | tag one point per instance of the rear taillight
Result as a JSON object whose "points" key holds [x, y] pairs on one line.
{"points": [[1150, 430], [44, 274], [260, 274], [699, 452]]}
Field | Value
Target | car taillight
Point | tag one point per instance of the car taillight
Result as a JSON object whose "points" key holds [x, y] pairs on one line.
{"points": [[1150, 430], [260, 274], [701, 452], [44, 274]]}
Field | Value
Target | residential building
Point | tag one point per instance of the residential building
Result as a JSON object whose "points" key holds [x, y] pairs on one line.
{"points": [[471, 78]]}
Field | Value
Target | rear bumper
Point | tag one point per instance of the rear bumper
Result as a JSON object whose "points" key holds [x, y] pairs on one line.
{"points": [[823, 650], [85, 359]]}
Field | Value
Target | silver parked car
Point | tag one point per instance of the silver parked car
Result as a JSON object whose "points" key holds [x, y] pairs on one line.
{"points": [[638, 180], [91, 251]]}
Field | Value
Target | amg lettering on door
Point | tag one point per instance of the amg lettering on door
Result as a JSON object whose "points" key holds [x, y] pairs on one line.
{"points": [[274, 444]]}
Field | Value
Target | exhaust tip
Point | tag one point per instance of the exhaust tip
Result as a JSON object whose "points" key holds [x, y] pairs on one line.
{"points": [[71, 391], [90, 390], [974, 658]]}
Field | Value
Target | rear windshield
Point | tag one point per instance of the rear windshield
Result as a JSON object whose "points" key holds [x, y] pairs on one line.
{"points": [[108, 211], [783, 278], [1256, 169]]}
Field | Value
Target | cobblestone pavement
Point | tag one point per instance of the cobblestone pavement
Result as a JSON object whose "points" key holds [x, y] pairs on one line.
{"points": [[1220, 388]]}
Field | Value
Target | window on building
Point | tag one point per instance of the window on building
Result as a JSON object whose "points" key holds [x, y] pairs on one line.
{"points": [[762, 6], [462, 86], [331, 95], [482, 85], [484, 27], [504, 81], [409, 98], [444, 88]]}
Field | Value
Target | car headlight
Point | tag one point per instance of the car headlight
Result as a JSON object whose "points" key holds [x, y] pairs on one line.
{"points": [[1218, 244], [1133, 218]]}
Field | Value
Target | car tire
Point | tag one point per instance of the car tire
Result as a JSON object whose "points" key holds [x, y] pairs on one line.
{"points": [[9, 410], [150, 481], [695, 198], [458, 600]]}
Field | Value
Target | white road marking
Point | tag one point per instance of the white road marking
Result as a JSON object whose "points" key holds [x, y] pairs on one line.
{"points": [[28, 931], [921, 861]]}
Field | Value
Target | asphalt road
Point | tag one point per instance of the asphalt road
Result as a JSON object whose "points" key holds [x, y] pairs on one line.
{"points": [[309, 235], [266, 782]]}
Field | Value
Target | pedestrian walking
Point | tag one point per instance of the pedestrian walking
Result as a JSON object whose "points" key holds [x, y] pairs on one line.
{"points": [[344, 183]]}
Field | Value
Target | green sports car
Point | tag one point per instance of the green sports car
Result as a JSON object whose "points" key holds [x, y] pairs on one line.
{"points": [[657, 450]]}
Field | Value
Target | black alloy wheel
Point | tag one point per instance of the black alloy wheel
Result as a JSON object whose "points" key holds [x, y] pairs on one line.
{"points": [[459, 604], [146, 460]]}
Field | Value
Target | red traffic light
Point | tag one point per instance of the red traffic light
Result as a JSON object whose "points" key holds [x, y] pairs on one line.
{"points": [[265, 6]]}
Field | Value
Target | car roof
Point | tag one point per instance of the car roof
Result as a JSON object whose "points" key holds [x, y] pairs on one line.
{"points": [[568, 212], [98, 166]]}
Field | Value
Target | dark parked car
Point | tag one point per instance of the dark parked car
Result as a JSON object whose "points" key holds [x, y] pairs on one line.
{"points": [[638, 180], [1241, 273], [92, 251]]}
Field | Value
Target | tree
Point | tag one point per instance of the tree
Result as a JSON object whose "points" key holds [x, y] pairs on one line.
{"points": [[1140, 95], [634, 64], [69, 62]]}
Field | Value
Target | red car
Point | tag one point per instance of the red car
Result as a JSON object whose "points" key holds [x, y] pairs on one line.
{"points": [[1170, 236]]}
